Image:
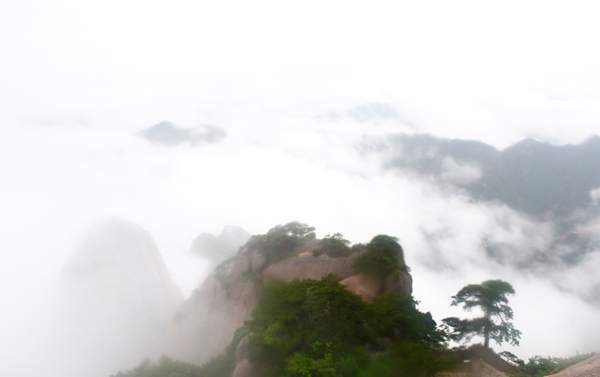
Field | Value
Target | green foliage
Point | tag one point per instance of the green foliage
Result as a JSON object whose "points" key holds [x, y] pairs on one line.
{"points": [[303, 365], [224, 269], [490, 297], [333, 246], [291, 317], [280, 241], [539, 366], [407, 359], [384, 256], [249, 276], [396, 316], [511, 358], [319, 328], [357, 247]]}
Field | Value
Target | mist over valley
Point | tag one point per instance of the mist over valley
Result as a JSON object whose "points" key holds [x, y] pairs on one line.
{"points": [[141, 145]]}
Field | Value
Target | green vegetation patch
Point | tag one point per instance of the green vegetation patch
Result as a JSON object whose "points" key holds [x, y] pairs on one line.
{"points": [[539, 366], [318, 328], [334, 246], [280, 241], [384, 256]]}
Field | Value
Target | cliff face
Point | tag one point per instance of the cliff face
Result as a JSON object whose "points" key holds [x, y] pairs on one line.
{"points": [[205, 323], [117, 297]]}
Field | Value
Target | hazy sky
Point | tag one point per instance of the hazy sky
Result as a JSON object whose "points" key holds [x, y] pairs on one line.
{"points": [[77, 80]]}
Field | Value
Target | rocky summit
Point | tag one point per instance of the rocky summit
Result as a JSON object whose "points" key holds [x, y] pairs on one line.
{"points": [[117, 297]]}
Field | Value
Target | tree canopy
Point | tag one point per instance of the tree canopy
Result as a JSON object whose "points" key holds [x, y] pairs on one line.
{"points": [[318, 328], [384, 255], [280, 241], [491, 297], [334, 246]]}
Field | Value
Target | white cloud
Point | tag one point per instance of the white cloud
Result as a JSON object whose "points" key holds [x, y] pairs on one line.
{"points": [[74, 90], [595, 196], [462, 174]]}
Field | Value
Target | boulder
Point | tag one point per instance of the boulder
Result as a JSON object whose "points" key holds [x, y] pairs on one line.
{"points": [[367, 287], [308, 266]]}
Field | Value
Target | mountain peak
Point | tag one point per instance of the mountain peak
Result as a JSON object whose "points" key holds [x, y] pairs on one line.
{"points": [[166, 133]]}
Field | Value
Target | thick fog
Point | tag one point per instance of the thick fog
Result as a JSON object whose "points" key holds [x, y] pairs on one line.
{"points": [[271, 107]]}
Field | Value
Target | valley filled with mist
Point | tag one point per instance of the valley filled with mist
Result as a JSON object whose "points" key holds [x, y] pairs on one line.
{"points": [[142, 143], [463, 211]]}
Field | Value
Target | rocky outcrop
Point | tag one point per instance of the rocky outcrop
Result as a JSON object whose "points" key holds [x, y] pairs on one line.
{"points": [[585, 368], [398, 284], [308, 266], [243, 366], [117, 297], [245, 369], [206, 323], [369, 287]]}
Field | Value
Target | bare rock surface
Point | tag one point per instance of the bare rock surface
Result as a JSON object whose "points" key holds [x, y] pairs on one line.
{"points": [[206, 322], [585, 368], [483, 369], [369, 287], [241, 350], [258, 262], [245, 369], [398, 284], [308, 266]]}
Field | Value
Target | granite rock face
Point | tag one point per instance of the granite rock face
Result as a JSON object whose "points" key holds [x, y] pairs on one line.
{"points": [[205, 323], [117, 297], [308, 266]]}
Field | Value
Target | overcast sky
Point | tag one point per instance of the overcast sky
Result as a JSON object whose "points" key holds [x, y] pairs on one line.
{"points": [[77, 80]]}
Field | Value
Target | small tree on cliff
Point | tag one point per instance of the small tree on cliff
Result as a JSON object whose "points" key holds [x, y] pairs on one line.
{"points": [[384, 255], [280, 241], [490, 297]]}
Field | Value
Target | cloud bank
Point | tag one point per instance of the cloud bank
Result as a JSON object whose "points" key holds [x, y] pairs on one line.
{"points": [[310, 170], [295, 104]]}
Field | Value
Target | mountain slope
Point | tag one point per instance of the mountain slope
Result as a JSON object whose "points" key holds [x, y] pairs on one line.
{"points": [[537, 178], [585, 368], [117, 297]]}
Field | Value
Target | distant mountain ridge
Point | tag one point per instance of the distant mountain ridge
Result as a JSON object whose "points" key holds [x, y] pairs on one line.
{"points": [[117, 298], [542, 180], [166, 133], [555, 187]]}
